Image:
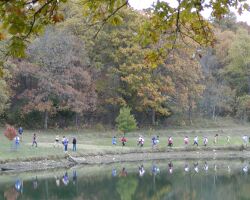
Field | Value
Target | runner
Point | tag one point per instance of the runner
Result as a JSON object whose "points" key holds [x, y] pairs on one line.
{"points": [[74, 144], [205, 141], [170, 141], [123, 140], [186, 140], [114, 140], [196, 141], [34, 142]]}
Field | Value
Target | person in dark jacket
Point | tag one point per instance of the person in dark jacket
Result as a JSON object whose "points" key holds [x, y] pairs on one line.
{"points": [[74, 144]]}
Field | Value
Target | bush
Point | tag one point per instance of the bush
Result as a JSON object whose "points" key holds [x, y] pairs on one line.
{"points": [[10, 132], [99, 127], [125, 121]]}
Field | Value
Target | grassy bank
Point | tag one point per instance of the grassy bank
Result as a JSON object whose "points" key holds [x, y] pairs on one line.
{"points": [[93, 142]]}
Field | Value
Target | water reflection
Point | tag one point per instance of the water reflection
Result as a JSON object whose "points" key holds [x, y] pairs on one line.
{"points": [[186, 168], [114, 173], [19, 185], [11, 193], [245, 169], [35, 183], [170, 167], [57, 181], [141, 170], [123, 173], [65, 179], [74, 179], [196, 167], [145, 181], [205, 167]]}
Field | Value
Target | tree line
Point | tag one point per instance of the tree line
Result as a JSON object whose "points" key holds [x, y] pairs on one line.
{"points": [[72, 76]]}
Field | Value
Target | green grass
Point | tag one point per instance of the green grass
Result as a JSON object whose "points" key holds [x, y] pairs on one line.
{"points": [[92, 143]]}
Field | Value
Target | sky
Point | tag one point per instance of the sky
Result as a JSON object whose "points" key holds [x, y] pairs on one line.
{"points": [[141, 4]]}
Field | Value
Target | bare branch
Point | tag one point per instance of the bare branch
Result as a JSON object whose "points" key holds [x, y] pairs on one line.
{"points": [[35, 16]]}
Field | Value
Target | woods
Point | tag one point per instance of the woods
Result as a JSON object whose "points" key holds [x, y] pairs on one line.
{"points": [[169, 69]]}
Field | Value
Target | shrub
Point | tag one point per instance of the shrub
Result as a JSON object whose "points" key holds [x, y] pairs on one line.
{"points": [[10, 132], [125, 121]]}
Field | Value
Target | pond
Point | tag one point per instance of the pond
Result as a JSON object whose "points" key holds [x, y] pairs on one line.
{"points": [[191, 179]]}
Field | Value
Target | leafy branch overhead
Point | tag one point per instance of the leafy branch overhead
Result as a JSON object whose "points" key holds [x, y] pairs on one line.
{"points": [[181, 18]]}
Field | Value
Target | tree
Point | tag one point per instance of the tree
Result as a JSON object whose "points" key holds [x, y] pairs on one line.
{"points": [[60, 80], [228, 22], [5, 91], [243, 111], [125, 121], [237, 71], [21, 19], [10, 132], [4, 95]]}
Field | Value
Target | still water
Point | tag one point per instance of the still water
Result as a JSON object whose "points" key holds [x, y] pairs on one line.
{"points": [[156, 180]]}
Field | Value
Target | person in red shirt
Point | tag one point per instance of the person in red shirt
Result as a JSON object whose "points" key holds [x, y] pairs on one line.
{"points": [[170, 142], [123, 140]]}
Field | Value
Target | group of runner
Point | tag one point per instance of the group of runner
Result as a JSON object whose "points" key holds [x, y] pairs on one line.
{"points": [[170, 141], [57, 143], [140, 141]]}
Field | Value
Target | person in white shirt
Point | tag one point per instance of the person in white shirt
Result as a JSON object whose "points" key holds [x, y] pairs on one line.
{"points": [[140, 141], [205, 141], [245, 140], [196, 141]]}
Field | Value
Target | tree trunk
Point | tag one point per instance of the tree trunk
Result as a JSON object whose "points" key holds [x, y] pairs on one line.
{"points": [[190, 109], [46, 116], [76, 119], [245, 116], [153, 117], [213, 112]]}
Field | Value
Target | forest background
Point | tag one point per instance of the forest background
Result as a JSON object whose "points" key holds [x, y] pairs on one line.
{"points": [[77, 75]]}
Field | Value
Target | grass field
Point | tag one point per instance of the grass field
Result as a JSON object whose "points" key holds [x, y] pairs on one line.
{"points": [[91, 142]]}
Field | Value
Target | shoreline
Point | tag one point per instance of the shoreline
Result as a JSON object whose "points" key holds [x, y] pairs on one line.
{"points": [[36, 164]]}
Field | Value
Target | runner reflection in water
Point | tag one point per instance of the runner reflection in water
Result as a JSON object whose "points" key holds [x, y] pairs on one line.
{"points": [[35, 183], [170, 167], [19, 185], [215, 167], [65, 179], [114, 173], [245, 169], [57, 181], [155, 170], [141, 170], [196, 167], [206, 166], [186, 168], [74, 177]]}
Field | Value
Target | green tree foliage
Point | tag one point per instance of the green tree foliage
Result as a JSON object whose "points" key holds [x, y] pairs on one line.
{"points": [[5, 91], [125, 121], [238, 69], [243, 110], [20, 19]]}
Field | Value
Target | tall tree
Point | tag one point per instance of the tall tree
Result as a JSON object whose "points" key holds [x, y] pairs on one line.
{"points": [[63, 80]]}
